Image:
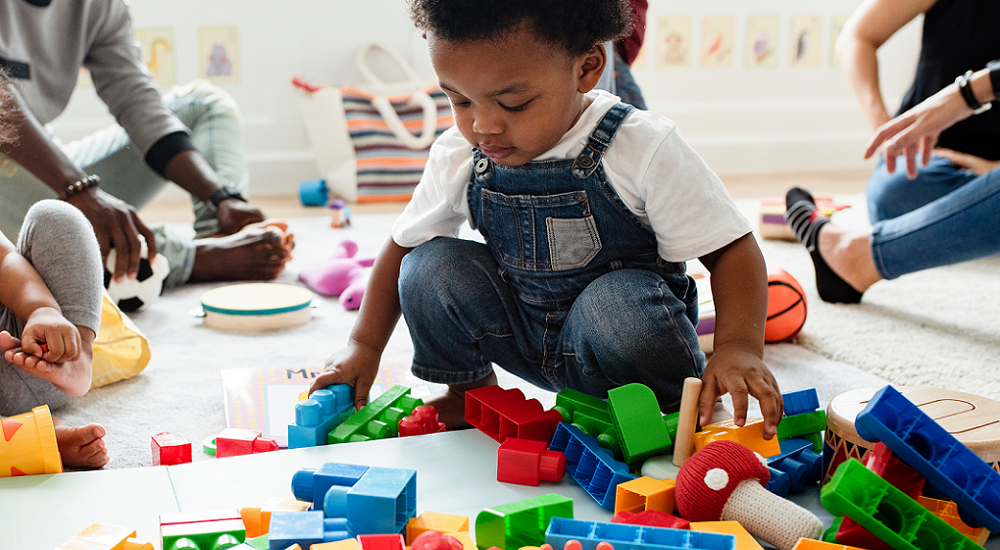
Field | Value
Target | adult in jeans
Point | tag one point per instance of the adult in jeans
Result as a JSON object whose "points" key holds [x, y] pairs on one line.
{"points": [[191, 137], [961, 225]]}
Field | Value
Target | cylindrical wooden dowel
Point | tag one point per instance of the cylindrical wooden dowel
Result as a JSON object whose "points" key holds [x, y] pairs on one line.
{"points": [[687, 420]]}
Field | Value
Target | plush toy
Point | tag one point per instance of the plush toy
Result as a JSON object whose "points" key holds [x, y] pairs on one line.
{"points": [[342, 275]]}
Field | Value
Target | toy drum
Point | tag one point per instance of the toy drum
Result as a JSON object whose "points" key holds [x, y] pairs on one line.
{"points": [[256, 307], [972, 419]]}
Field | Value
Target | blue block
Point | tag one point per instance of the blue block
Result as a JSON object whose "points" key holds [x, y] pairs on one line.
{"points": [[591, 465], [800, 401], [313, 192], [929, 449], [304, 529], [317, 416], [633, 537], [797, 459], [312, 485], [778, 483], [381, 502]]}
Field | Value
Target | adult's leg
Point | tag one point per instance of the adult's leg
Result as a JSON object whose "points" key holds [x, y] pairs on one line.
{"points": [[633, 326], [891, 195], [59, 243]]}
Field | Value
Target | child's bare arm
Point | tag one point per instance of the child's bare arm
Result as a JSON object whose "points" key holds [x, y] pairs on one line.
{"points": [[357, 364], [739, 288]]}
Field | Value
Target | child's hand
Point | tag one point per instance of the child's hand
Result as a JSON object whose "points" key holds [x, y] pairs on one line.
{"points": [[738, 373], [355, 366], [47, 336]]}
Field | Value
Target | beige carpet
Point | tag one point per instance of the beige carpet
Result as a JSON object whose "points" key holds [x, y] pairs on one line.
{"points": [[938, 328]]}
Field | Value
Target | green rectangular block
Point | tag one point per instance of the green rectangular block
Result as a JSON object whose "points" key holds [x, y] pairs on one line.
{"points": [[522, 523], [801, 424], [378, 419], [642, 432]]}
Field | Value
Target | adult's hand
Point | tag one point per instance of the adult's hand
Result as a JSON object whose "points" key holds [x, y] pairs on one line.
{"points": [[975, 164], [116, 225], [235, 214]]}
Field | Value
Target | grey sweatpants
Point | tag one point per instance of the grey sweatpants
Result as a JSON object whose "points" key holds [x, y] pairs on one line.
{"points": [[59, 242]]}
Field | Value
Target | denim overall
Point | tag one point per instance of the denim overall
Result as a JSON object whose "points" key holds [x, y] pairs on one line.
{"points": [[571, 291]]}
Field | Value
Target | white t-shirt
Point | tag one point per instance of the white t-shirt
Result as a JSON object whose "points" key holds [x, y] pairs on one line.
{"points": [[658, 176]]}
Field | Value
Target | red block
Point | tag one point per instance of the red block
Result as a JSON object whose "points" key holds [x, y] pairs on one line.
{"points": [[170, 449], [382, 542], [652, 518], [889, 467], [237, 441], [501, 413], [526, 462], [424, 420]]}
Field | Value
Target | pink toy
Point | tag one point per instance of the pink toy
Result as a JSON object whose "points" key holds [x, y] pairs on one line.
{"points": [[342, 275], [725, 480]]}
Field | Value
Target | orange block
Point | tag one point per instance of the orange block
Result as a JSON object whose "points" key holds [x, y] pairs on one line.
{"points": [[751, 436], [101, 536], [808, 544], [948, 511], [646, 493], [744, 540]]}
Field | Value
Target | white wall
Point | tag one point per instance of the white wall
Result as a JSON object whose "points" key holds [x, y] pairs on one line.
{"points": [[740, 119]]}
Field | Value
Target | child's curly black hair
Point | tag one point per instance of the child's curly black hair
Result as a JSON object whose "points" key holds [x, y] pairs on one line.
{"points": [[576, 25]]}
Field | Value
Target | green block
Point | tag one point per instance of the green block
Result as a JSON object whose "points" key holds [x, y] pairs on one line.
{"points": [[201, 530], [816, 439], [378, 419], [642, 432], [591, 415], [519, 524], [830, 535], [862, 495], [801, 424], [671, 420]]}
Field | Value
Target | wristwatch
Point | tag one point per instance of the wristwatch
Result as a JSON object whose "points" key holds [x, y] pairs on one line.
{"points": [[224, 193]]}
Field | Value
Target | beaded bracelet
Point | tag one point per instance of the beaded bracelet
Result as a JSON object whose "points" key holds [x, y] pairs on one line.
{"points": [[79, 186]]}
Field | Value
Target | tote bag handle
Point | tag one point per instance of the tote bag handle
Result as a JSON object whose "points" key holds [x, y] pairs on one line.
{"points": [[384, 106]]}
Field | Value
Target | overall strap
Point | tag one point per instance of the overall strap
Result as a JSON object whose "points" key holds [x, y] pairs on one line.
{"points": [[590, 158]]}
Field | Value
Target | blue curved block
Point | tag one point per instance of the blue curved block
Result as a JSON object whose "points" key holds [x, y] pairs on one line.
{"points": [[929, 449], [313, 192], [591, 465], [623, 536]]}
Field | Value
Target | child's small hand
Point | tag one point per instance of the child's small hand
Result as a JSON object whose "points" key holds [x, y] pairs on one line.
{"points": [[740, 373], [355, 366], [47, 327]]}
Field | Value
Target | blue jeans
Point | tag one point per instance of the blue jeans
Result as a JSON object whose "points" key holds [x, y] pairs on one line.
{"points": [[629, 325], [945, 216]]}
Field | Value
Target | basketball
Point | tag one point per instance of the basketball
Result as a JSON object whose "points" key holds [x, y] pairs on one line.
{"points": [[786, 307]]}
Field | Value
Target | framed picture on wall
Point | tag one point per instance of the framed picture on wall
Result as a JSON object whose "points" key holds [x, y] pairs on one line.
{"points": [[762, 41], [158, 54], [219, 54], [673, 42], [717, 41], [806, 40]]}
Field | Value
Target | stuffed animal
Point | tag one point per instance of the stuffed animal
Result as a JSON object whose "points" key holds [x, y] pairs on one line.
{"points": [[342, 275]]}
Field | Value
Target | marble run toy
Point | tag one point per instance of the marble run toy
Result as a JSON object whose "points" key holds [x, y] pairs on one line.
{"points": [[623, 536], [170, 449], [238, 441], [800, 401], [646, 493], [798, 461], [424, 420], [501, 413], [590, 414], [638, 424], [750, 435], [102, 536], [518, 524], [860, 494], [373, 500], [931, 450], [652, 518], [528, 462], [318, 415], [214, 530], [29, 444], [591, 465], [378, 419]]}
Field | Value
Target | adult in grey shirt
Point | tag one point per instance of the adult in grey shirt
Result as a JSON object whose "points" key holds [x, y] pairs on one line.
{"points": [[190, 136]]}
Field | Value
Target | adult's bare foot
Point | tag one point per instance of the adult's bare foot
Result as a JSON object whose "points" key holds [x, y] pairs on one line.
{"points": [[258, 252], [81, 446]]}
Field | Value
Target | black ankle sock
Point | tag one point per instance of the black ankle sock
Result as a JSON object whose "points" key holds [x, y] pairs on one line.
{"points": [[806, 221]]}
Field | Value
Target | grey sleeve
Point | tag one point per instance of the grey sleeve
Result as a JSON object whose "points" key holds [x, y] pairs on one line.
{"points": [[122, 80]]}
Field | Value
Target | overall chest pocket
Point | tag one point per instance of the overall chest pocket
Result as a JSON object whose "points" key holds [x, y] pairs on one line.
{"points": [[541, 233]]}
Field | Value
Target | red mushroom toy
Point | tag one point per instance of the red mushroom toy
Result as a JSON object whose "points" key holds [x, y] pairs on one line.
{"points": [[725, 481]]}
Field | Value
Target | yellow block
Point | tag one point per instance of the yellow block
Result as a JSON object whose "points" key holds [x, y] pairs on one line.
{"points": [[436, 521], [751, 436], [744, 540], [101, 536], [28, 444]]}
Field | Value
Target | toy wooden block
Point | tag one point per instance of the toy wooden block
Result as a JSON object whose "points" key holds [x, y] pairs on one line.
{"points": [[646, 493], [948, 511], [201, 530], [237, 442], [501, 413], [590, 414], [591, 465], [651, 518], [860, 494], [927, 447], [518, 524], [744, 540], [435, 521], [528, 462], [378, 419], [318, 415], [751, 436], [424, 420], [101, 536], [623, 536], [638, 423], [771, 223], [29, 444], [170, 449]]}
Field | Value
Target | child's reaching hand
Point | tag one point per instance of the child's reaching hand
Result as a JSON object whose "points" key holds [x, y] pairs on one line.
{"points": [[47, 338], [740, 373], [356, 366]]}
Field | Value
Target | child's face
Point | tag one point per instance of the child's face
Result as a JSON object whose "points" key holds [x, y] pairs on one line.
{"points": [[514, 98]]}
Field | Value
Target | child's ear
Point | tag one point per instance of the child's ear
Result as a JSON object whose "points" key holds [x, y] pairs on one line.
{"points": [[592, 66]]}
